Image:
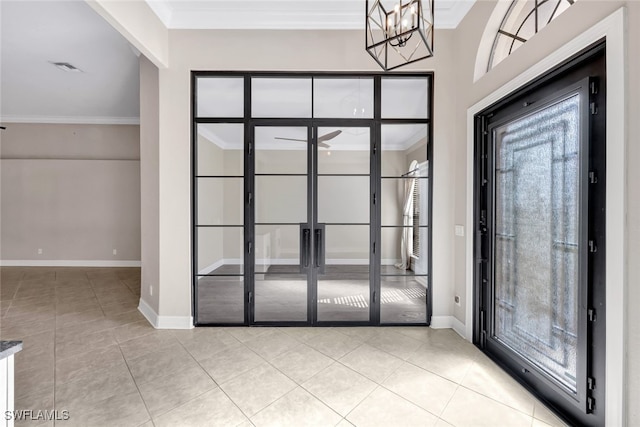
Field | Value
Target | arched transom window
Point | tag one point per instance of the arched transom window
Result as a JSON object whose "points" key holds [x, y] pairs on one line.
{"points": [[523, 19]]}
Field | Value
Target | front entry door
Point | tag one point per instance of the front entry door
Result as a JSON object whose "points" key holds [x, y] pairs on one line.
{"points": [[312, 207]]}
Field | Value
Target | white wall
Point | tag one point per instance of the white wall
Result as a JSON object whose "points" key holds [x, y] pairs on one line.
{"points": [[72, 191], [149, 185]]}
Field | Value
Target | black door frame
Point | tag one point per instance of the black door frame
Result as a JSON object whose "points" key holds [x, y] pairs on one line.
{"points": [[584, 72], [249, 186]]}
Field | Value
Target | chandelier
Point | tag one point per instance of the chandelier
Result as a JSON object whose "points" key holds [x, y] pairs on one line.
{"points": [[401, 33]]}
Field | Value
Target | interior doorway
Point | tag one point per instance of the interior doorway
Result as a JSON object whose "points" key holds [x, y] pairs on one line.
{"points": [[311, 199]]}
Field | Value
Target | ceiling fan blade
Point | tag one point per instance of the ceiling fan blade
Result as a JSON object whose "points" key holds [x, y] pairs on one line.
{"points": [[329, 136], [323, 144], [290, 139]]}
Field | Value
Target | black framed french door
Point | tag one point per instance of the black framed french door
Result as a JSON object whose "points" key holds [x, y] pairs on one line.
{"points": [[312, 221], [311, 198], [539, 215]]}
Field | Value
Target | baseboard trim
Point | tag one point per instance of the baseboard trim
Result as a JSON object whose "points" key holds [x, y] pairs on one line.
{"points": [[448, 322], [164, 322], [67, 263]]}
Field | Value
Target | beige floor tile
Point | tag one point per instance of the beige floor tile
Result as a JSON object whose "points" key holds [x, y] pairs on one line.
{"points": [[156, 341], [272, 344], [243, 334], [442, 423], [257, 388], [42, 400], [360, 333], [230, 363], [154, 365], [75, 318], [74, 345], [25, 360], [208, 345], [33, 381], [340, 388], [334, 344], [423, 388], [129, 331], [43, 342], [422, 334], [122, 410], [168, 392], [374, 364], [35, 274], [441, 361], [208, 410], [486, 378], [77, 305], [72, 368], [538, 423], [301, 363], [85, 328], [296, 408], [468, 408], [27, 314], [344, 423], [28, 292], [542, 413], [396, 344], [383, 408], [304, 333], [111, 310], [20, 330], [94, 386]]}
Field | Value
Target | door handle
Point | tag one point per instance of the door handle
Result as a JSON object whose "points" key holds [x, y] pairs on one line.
{"points": [[305, 247], [319, 248]]}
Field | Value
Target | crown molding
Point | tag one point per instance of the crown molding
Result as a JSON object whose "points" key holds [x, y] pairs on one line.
{"points": [[285, 14], [79, 120]]}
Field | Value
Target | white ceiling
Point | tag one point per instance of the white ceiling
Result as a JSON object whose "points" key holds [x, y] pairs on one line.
{"points": [[284, 14], [35, 33]]}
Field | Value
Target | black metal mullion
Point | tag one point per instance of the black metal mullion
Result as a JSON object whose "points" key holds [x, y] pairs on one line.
{"points": [[249, 208], [312, 219], [194, 201], [376, 208], [431, 174]]}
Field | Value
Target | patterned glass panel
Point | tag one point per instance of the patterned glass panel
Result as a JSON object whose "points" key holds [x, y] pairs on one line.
{"points": [[536, 237]]}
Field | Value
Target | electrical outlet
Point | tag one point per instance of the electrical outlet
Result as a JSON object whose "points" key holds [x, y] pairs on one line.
{"points": [[457, 300], [39, 251], [150, 290], [115, 252]]}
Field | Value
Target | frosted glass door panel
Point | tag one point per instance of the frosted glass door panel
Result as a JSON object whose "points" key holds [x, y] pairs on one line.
{"points": [[536, 237]]}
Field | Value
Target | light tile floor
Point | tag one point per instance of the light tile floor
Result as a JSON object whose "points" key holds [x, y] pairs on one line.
{"points": [[89, 351]]}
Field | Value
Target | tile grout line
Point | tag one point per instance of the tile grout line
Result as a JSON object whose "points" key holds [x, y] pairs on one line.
{"points": [[214, 381]]}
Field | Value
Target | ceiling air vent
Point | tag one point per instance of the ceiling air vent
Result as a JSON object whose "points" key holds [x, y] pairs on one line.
{"points": [[65, 66]]}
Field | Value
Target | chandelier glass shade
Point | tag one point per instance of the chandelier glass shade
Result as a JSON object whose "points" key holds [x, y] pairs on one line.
{"points": [[399, 32]]}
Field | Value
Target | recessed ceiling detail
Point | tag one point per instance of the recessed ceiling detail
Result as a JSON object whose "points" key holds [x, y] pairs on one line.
{"points": [[284, 14]]}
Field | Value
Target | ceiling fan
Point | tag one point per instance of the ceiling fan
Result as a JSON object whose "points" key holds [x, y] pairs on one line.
{"points": [[321, 139]]}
